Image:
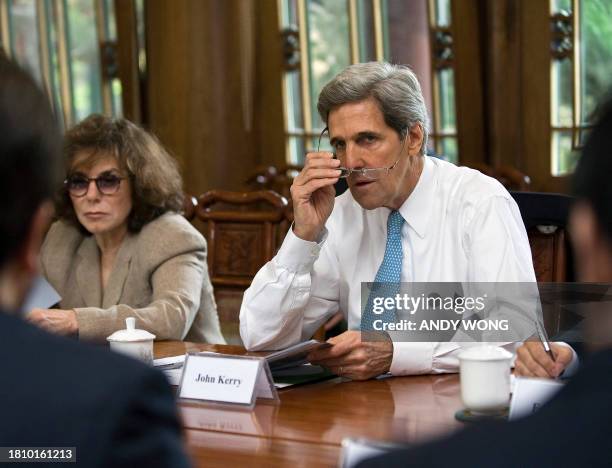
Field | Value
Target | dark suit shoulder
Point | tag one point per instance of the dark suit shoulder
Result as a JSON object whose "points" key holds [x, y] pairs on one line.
{"points": [[570, 430], [71, 363], [66, 393], [147, 433]]}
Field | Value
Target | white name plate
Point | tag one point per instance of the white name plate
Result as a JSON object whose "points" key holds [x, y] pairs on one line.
{"points": [[530, 394], [223, 378]]}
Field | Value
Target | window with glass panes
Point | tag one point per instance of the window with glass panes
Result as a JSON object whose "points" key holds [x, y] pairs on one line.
{"points": [[61, 43], [581, 67], [333, 34]]}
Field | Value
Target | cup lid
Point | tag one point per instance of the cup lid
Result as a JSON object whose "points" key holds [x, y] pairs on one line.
{"points": [[131, 333], [485, 353]]}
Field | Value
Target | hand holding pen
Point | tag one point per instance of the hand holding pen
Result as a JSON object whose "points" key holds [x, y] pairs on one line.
{"points": [[544, 340], [538, 357]]}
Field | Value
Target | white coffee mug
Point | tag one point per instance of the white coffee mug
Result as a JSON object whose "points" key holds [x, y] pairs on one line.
{"points": [[133, 342], [485, 378]]}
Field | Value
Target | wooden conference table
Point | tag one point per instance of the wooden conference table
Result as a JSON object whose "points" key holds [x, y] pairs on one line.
{"points": [[308, 426]]}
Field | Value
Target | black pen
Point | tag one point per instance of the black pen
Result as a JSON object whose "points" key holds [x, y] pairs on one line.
{"points": [[544, 341]]}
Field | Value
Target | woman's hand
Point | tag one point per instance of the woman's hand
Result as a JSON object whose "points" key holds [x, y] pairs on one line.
{"points": [[61, 322]]}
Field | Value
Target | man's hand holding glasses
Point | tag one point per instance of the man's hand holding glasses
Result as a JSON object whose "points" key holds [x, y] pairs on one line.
{"points": [[313, 194]]}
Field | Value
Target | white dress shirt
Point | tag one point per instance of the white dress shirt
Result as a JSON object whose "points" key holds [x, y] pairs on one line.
{"points": [[573, 365], [461, 226]]}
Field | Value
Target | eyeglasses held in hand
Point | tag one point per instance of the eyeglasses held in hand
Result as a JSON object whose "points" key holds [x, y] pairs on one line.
{"points": [[369, 173], [107, 183]]}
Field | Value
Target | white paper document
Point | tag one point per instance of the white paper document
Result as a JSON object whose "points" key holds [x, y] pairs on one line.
{"points": [[41, 296], [294, 355], [530, 394], [171, 362], [173, 376]]}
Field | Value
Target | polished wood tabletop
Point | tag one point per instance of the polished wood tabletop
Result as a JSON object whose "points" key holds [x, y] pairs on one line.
{"points": [[307, 427]]}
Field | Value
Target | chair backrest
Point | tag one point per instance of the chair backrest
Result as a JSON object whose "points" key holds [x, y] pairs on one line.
{"points": [[241, 229], [508, 176], [274, 178], [189, 207], [545, 216]]}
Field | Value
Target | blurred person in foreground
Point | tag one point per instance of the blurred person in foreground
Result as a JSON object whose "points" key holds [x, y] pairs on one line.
{"points": [[120, 248], [573, 429], [112, 410]]}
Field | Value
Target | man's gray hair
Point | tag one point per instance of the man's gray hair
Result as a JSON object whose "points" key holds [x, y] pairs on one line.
{"points": [[394, 87]]}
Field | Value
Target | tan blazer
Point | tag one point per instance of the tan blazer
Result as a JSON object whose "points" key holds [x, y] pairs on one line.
{"points": [[160, 277]]}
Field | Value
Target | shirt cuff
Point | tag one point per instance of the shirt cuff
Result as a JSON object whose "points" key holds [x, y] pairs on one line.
{"points": [[412, 358], [298, 254], [574, 364]]}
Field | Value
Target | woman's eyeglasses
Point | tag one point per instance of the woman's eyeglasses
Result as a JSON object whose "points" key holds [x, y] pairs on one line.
{"points": [[368, 173], [107, 183]]}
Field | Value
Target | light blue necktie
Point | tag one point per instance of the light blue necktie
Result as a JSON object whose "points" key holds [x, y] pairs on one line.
{"points": [[389, 272]]}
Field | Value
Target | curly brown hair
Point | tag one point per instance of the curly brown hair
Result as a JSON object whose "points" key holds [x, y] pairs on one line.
{"points": [[157, 186]]}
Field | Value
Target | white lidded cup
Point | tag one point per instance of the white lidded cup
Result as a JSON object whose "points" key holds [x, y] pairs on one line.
{"points": [[485, 378], [133, 342]]}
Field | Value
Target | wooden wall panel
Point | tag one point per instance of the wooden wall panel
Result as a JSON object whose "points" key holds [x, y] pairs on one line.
{"points": [[535, 92], [127, 55], [208, 100], [469, 80], [269, 106], [409, 40], [503, 82]]}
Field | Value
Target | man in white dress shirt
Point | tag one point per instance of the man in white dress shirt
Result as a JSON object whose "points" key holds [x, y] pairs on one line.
{"points": [[458, 226]]}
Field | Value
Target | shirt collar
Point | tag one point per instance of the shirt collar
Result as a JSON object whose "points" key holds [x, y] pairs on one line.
{"points": [[417, 208]]}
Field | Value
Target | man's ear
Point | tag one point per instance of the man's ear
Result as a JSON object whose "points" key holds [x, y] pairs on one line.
{"points": [[30, 249], [415, 139], [592, 249]]}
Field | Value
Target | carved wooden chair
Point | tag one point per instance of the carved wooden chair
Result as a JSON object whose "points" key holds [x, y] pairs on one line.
{"points": [[508, 176], [241, 229], [189, 207], [274, 178], [545, 216]]}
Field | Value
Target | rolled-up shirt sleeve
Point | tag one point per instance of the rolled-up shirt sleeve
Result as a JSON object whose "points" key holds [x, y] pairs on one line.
{"points": [[574, 364], [291, 296], [432, 358]]}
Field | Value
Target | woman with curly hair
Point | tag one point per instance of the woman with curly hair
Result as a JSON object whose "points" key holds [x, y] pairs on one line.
{"points": [[120, 248]]}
